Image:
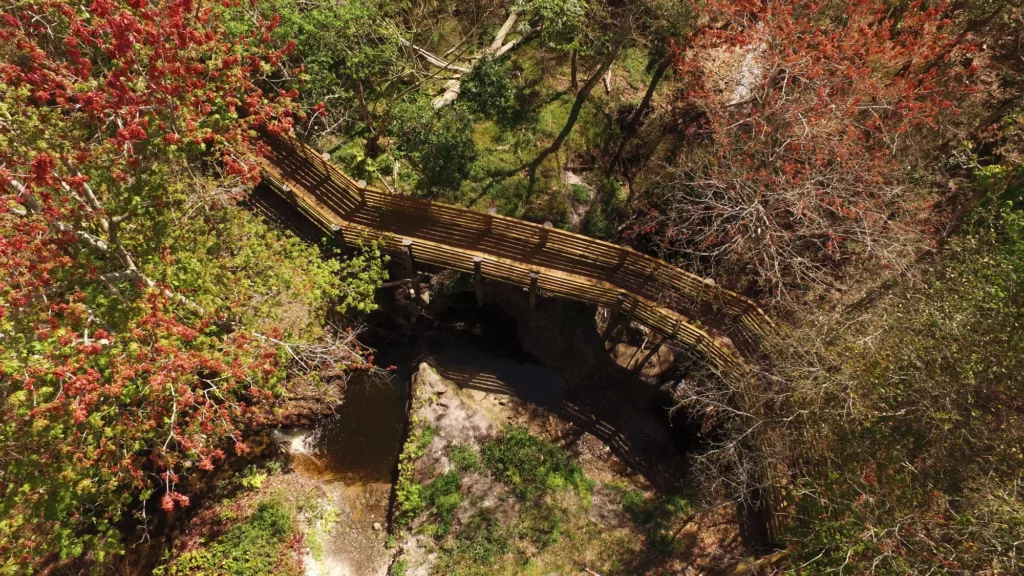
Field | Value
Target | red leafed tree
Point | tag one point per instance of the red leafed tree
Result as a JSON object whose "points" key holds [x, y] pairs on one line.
{"points": [[113, 382], [807, 127]]}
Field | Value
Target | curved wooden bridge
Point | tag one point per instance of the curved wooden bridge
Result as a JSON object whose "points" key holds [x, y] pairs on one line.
{"points": [[695, 312]]}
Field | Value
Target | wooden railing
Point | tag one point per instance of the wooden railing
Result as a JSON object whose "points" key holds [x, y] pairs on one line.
{"points": [[668, 300]]}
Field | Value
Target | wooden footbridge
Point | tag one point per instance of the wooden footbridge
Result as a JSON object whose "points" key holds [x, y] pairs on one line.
{"points": [[695, 312]]}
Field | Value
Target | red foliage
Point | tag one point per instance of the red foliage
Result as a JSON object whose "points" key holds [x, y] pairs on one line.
{"points": [[104, 95], [812, 117]]}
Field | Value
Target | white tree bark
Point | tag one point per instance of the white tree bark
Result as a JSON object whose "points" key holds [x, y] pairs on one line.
{"points": [[497, 48]]}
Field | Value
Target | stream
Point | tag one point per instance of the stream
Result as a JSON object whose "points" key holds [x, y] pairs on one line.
{"points": [[353, 454]]}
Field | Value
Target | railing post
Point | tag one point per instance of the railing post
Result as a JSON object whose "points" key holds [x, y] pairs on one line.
{"points": [[613, 318], [479, 278], [491, 211], [665, 338], [650, 274], [289, 194], [533, 290], [621, 262], [407, 243], [632, 310], [544, 235], [339, 236]]}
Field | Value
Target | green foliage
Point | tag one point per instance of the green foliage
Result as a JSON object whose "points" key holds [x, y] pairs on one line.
{"points": [[532, 466], [580, 193], [442, 496], [343, 47], [635, 62], [361, 275], [489, 88], [252, 478], [409, 494], [657, 516], [438, 142], [561, 20], [916, 427], [399, 568], [253, 547], [475, 547], [540, 523], [463, 457], [319, 516]]}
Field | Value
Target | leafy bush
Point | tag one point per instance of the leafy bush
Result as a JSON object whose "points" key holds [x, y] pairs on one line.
{"points": [[251, 548], [399, 568], [580, 193], [475, 548], [656, 516], [463, 457], [909, 416], [442, 494], [438, 142], [408, 494], [488, 88], [533, 466]]}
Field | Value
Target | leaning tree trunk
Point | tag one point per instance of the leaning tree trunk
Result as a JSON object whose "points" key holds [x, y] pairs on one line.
{"points": [[581, 99], [645, 104], [573, 76], [632, 126]]}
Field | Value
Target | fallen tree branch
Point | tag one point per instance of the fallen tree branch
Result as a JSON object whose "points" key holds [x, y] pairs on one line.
{"points": [[433, 59], [497, 48]]}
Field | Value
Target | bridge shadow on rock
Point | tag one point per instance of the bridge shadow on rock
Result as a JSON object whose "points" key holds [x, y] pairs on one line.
{"points": [[564, 369]]}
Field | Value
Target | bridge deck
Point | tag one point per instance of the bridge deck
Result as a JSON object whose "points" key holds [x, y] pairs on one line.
{"points": [[569, 265]]}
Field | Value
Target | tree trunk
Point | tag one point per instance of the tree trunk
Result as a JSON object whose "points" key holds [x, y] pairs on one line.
{"points": [[573, 72], [373, 147], [632, 126], [577, 105], [645, 104]]}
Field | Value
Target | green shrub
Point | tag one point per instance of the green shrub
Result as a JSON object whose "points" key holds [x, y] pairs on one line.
{"points": [[475, 548], [442, 495], [488, 89], [409, 494], [251, 548], [580, 193], [398, 568], [531, 465], [438, 142], [463, 457], [657, 517]]}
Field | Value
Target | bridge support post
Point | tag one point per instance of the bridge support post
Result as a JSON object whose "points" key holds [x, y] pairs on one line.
{"points": [[613, 318], [640, 367], [632, 310], [409, 270], [478, 277], [620, 263], [533, 290], [339, 235], [650, 274]]}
